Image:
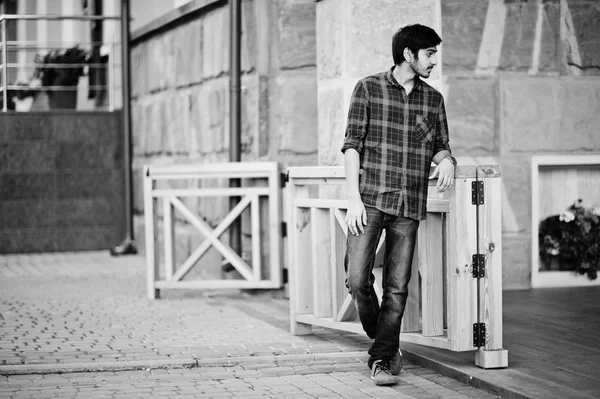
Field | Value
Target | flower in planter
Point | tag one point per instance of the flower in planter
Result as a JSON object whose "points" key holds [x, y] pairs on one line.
{"points": [[572, 238], [566, 217]]}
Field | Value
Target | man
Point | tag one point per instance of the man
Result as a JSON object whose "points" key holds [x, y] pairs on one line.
{"points": [[396, 127]]}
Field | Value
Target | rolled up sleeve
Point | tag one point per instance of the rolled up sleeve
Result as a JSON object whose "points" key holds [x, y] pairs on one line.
{"points": [[441, 126], [358, 118]]}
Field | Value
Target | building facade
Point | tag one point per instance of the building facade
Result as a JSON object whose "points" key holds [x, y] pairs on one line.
{"points": [[520, 78]]}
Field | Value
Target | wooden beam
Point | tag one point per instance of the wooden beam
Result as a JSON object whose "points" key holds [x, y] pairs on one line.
{"points": [[339, 291], [225, 250], [255, 238], [210, 192], [277, 262], [491, 286], [462, 244], [299, 272], [217, 284], [168, 237], [206, 244], [431, 265], [411, 321], [321, 262]]}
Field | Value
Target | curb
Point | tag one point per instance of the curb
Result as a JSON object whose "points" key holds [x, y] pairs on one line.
{"points": [[462, 376], [362, 356], [174, 364]]}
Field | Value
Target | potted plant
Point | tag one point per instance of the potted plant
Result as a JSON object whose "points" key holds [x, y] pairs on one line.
{"points": [[571, 240], [54, 71]]}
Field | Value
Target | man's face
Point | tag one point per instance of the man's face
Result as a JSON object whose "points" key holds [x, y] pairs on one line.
{"points": [[424, 61]]}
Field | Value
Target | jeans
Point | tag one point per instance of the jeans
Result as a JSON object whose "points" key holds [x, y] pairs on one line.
{"points": [[382, 323]]}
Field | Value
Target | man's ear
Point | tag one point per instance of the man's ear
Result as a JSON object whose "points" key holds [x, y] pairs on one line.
{"points": [[408, 55]]}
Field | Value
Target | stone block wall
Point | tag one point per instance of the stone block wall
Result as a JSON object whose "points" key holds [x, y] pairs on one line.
{"points": [[354, 41], [523, 78], [180, 105], [520, 77]]}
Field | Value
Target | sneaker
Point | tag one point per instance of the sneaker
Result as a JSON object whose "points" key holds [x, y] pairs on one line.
{"points": [[381, 374], [396, 363]]}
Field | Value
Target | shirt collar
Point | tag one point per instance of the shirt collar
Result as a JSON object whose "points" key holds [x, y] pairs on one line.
{"points": [[392, 79]]}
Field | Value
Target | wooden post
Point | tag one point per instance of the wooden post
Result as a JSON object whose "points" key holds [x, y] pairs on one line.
{"points": [[411, 321], [490, 244], [256, 239], [430, 253], [301, 289], [339, 292], [462, 244], [321, 262], [152, 261], [276, 258], [169, 235]]}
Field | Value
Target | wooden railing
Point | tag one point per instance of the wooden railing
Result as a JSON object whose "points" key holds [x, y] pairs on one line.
{"points": [[266, 178], [449, 306]]}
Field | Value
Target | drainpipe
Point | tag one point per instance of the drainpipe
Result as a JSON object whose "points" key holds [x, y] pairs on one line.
{"points": [[128, 245], [235, 125]]}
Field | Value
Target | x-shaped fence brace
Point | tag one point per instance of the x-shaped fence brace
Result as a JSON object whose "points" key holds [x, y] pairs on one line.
{"points": [[212, 237]]}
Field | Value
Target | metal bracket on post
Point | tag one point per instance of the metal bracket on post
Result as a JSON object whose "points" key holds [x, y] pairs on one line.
{"points": [[477, 192], [284, 229], [285, 178], [478, 266], [478, 334]]}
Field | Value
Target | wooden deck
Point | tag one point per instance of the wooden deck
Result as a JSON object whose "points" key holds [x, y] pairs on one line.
{"points": [[553, 342]]}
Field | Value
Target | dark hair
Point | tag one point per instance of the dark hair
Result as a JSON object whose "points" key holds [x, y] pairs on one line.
{"points": [[415, 37]]}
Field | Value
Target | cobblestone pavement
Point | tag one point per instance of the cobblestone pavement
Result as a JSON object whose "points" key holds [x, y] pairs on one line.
{"points": [[60, 313], [71, 308], [326, 379]]}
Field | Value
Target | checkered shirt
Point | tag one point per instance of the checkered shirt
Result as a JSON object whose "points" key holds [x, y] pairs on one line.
{"points": [[396, 136]]}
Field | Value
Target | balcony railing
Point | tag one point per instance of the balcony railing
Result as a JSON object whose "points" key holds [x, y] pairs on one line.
{"points": [[16, 59]]}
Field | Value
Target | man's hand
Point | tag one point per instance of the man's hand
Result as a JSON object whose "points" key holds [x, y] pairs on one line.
{"points": [[444, 171], [356, 216]]}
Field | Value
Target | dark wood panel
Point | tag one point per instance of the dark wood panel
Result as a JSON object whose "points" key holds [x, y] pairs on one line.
{"points": [[553, 342]]}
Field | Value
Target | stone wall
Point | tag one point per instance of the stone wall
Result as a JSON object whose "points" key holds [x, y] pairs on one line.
{"points": [[523, 78], [180, 107], [520, 77], [355, 40]]}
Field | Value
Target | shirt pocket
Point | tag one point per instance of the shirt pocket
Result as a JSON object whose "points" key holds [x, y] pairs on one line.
{"points": [[424, 128]]}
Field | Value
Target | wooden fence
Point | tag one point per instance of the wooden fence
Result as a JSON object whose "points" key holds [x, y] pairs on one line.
{"points": [[251, 270], [455, 294]]}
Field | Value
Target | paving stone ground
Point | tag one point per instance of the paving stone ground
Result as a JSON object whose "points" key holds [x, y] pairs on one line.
{"points": [[293, 380], [62, 311]]}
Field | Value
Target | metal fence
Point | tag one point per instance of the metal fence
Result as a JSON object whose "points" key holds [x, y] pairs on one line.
{"points": [[40, 60]]}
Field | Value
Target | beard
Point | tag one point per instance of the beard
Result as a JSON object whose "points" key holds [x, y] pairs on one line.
{"points": [[423, 72]]}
